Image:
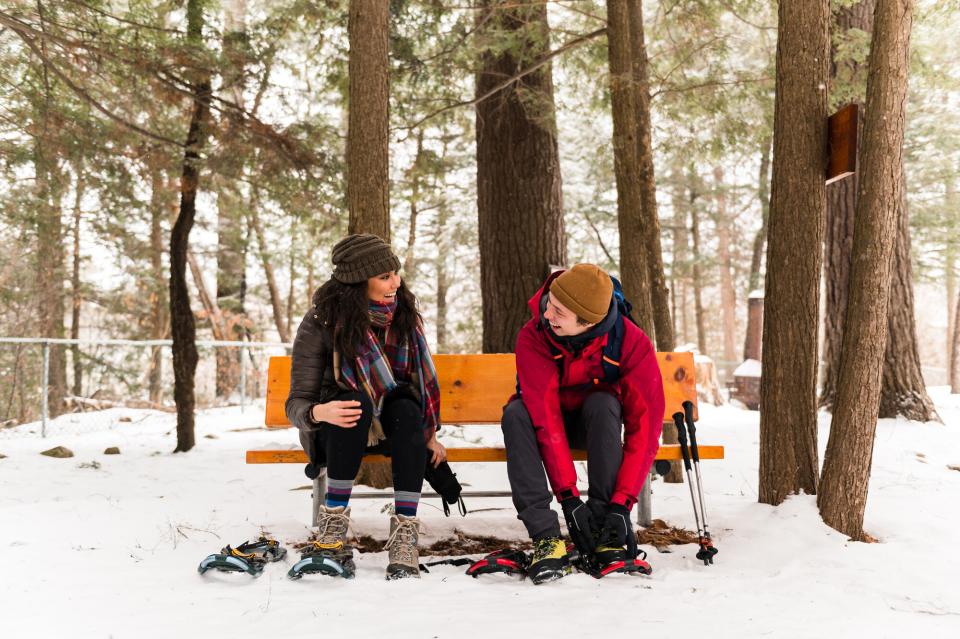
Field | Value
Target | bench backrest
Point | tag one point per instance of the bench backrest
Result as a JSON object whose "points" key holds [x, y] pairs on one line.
{"points": [[474, 388]]}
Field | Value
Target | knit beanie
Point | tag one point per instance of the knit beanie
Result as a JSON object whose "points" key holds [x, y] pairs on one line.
{"points": [[586, 290], [359, 257]]}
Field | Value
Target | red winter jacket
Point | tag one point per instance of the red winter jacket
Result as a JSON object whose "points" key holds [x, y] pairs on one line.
{"points": [[546, 396]]}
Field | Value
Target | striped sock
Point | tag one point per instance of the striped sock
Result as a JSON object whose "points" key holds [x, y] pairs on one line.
{"points": [[338, 492], [405, 502]]}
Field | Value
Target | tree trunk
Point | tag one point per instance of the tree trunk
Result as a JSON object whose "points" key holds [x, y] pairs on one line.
{"points": [[650, 228], [415, 175], [759, 240], [953, 301], [368, 179], [182, 324], [634, 250], [159, 316], [788, 386], [231, 241], [441, 239], [846, 468], [680, 267], [728, 295], [49, 228], [903, 391], [697, 271], [75, 283], [275, 303], [519, 195]]}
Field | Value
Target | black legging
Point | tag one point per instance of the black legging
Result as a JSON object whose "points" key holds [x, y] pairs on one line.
{"points": [[402, 424]]}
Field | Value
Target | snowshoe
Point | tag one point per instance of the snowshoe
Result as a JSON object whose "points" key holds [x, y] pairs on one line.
{"points": [[325, 560], [248, 557], [508, 560]]}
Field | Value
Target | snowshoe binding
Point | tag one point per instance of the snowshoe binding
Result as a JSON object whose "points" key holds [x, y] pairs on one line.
{"points": [[508, 561], [329, 553], [334, 560], [248, 557]]}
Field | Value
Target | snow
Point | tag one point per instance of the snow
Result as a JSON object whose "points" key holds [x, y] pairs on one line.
{"points": [[113, 551], [749, 368]]}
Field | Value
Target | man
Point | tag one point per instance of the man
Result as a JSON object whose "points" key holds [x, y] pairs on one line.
{"points": [[573, 391]]}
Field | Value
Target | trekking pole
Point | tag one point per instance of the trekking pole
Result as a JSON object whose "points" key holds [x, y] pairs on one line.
{"points": [[682, 438], [707, 549]]}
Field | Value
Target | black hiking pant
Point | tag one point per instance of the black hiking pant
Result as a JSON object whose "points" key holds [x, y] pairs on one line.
{"points": [[342, 449], [597, 427]]}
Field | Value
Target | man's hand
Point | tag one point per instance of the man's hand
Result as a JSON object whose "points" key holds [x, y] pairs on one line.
{"points": [[617, 530], [580, 525]]}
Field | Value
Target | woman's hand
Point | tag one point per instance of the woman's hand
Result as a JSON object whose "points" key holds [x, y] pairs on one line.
{"points": [[344, 414], [438, 453]]}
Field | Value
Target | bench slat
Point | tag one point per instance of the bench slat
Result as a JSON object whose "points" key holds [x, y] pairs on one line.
{"points": [[474, 388], [667, 451]]}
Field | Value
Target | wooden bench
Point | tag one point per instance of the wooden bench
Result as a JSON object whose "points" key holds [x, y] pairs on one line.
{"points": [[473, 390]]}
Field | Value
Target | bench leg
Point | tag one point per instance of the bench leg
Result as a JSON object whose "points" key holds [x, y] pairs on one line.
{"points": [[644, 511], [319, 491]]}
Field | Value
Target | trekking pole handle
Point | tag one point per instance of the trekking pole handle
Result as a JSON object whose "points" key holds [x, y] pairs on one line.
{"points": [[682, 438], [688, 414]]}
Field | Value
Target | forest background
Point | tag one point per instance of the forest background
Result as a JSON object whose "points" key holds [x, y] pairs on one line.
{"points": [[98, 100]]}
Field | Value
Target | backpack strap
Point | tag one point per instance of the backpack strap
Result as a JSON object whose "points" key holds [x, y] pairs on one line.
{"points": [[612, 350]]}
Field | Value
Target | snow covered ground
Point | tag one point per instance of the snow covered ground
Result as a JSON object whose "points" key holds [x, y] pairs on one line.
{"points": [[108, 546]]}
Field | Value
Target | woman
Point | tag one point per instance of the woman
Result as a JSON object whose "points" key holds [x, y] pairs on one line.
{"points": [[363, 380]]}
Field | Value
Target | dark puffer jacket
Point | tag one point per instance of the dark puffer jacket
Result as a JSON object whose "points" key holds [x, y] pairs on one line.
{"points": [[311, 376]]}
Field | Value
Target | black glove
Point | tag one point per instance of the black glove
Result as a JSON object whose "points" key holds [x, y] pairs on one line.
{"points": [[580, 525], [617, 530]]}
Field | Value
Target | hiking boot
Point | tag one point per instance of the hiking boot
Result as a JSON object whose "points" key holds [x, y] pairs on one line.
{"points": [[549, 561], [609, 554], [404, 559], [333, 525]]}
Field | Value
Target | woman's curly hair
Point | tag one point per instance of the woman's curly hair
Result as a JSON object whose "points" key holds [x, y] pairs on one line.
{"points": [[344, 309]]}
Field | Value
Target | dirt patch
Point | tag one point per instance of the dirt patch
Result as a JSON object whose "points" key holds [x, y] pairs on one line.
{"points": [[460, 544]]}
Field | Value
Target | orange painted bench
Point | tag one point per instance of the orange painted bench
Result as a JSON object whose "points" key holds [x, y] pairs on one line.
{"points": [[473, 390]]}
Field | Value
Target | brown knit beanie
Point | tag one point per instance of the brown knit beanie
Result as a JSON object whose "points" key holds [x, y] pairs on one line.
{"points": [[586, 290], [359, 257]]}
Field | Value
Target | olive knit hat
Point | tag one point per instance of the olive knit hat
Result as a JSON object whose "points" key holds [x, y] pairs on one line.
{"points": [[586, 290], [358, 257]]}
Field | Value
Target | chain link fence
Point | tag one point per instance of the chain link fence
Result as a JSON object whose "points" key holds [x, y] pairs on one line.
{"points": [[40, 377]]}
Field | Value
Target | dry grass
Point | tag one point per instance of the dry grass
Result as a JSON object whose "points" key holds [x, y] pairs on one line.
{"points": [[662, 535]]}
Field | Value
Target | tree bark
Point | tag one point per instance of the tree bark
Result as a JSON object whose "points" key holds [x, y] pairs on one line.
{"points": [[788, 386], [728, 295], [415, 175], [368, 143], [182, 323], [231, 240], [681, 246], [159, 314], [519, 196], [759, 240], [634, 249], [697, 270], [659, 293], [763, 194], [75, 292], [51, 275], [953, 300], [276, 304], [846, 469], [904, 391]]}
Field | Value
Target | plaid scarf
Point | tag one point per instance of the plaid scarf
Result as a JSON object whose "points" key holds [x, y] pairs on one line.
{"points": [[378, 367]]}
